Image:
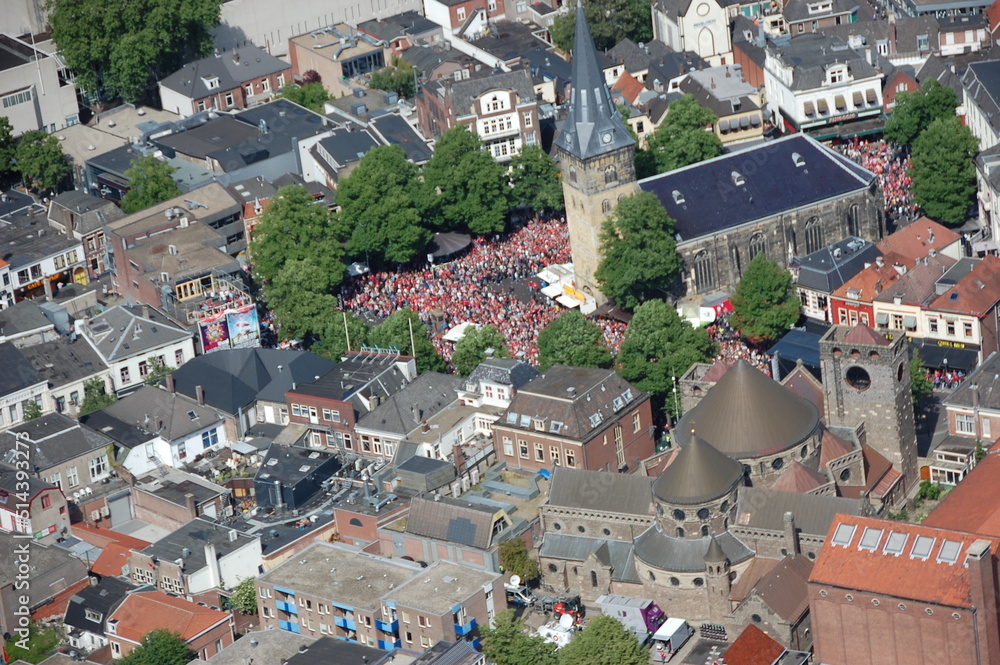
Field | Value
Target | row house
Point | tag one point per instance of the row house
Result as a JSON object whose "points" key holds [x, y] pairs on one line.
{"points": [[205, 630], [960, 35], [973, 417], [6, 286], [382, 603], [36, 88], [469, 18], [67, 364], [82, 216], [802, 16], [338, 53], [578, 417], [40, 509], [819, 274], [500, 108], [236, 80], [19, 384]]}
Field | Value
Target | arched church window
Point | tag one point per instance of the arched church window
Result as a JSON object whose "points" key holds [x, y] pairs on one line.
{"points": [[606, 207], [680, 532], [704, 530], [704, 272], [814, 235], [758, 245], [572, 174], [611, 175], [853, 220], [593, 578]]}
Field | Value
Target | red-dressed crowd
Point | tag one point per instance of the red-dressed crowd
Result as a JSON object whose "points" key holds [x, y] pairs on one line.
{"points": [[891, 165], [730, 347]]}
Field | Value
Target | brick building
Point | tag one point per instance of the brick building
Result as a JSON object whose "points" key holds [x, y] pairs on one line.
{"points": [[205, 630], [338, 53], [578, 417]]}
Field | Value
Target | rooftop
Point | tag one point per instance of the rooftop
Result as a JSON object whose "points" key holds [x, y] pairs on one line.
{"points": [[143, 611], [441, 587], [174, 485], [27, 238], [223, 71], [289, 464], [188, 543], [53, 438], [827, 268], [264, 646]]}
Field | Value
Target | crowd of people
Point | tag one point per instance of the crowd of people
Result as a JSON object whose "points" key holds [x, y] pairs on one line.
{"points": [[945, 379], [730, 346], [889, 163]]}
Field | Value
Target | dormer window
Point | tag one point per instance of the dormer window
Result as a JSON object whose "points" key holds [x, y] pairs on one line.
{"points": [[738, 178], [678, 197], [837, 74], [211, 82]]}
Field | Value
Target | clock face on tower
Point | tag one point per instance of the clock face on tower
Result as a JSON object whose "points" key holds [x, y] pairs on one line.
{"points": [[606, 137]]}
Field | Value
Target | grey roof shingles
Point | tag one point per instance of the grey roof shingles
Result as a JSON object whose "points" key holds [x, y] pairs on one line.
{"points": [[231, 69], [126, 331], [828, 268], [54, 438], [451, 520], [61, 362], [16, 373], [149, 405], [597, 490], [403, 411], [760, 508], [617, 554], [699, 474], [686, 555]]}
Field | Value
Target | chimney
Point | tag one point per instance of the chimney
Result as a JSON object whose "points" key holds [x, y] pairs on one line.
{"points": [[979, 561], [791, 539], [212, 561], [236, 57], [159, 424], [190, 504], [199, 394], [145, 311], [170, 383], [879, 261]]}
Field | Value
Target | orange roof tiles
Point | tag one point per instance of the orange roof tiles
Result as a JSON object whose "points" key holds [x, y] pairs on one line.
{"points": [[868, 283], [862, 334], [831, 447], [144, 611], [716, 371], [753, 647], [797, 478], [904, 576], [111, 560], [628, 87], [99, 537], [973, 504], [916, 241], [976, 293]]}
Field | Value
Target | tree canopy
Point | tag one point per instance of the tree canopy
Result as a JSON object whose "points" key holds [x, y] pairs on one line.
{"points": [[658, 347], [610, 22], [159, 647], [943, 172], [682, 137], [472, 189], [505, 643], [8, 149], [121, 47], [95, 396], [640, 253], [40, 160], [920, 385], [764, 304], [515, 560], [395, 331], [150, 182], [604, 641], [302, 305], [913, 112], [294, 228], [381, 214], [397, 79], [574, 340], [31, 410], [535, 180], [471, 349], [244, 596], [309, 95]]}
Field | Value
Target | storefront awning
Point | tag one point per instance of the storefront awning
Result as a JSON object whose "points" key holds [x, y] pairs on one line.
{"points": [[882, 318], [568, 301], [744, 122], [909, 321], [755, 120], [859, 99], [839, 102], [822, 106], [942, 357], [872, 96], [810, 109], [724, 125], [552, 291]]}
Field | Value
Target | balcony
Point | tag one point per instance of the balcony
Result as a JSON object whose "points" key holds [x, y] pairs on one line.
{"points": [[289, 626], [287, 607], [345, 623], [389, 646], [466, 628], [387, 627]]}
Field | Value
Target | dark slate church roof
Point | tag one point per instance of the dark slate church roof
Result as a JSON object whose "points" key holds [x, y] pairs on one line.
{"points": [[686, 555], [614, 553], [699, 474], [594, 125], [747, 414], [582, 489], [704, 198]]}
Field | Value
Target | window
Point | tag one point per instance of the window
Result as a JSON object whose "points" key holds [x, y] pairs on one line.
{"points": [[932, 325], [758, 245], [249, 89], [814, 236], [965, 424], [619, 447], [571, 458], [523, 446], [126, 376], [201, 106], [967, 328], [17, 98], [72, 478], [611, 175], [98, 467], [508, 446], [210, 438], [527, 119], [423, 621], [951, 328], [60, 261], [330, 415], [636, 422], [554, 455], [606, 207], [229, 99], [986, 428], [55, 479], [181, 450], [704, 274], [143, 368], [265, 85], [491, 5], [281, 80], [296, 410], [461, 13], [539, 452]]}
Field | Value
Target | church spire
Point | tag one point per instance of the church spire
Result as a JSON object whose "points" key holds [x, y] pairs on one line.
{"points": [[594, 125]]}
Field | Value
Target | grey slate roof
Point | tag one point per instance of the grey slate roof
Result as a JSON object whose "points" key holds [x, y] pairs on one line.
{"points": [[828, 268], [235, 378], [425, 474], [126, 331], [449, 653], [252, 63], [601, 491], [268, 646], [23, 317], [811, 53], [91, 212], [747, 414], [147, 405], [9, 481], [936, 68], [451, 520], [61, 362], [407, 23], [290, 464], [594, 125], [101, 597], [712, 202], [464, 93], [987, 378], [16, 373], [699, 473], [798, 10], [193, 537], [44, 559], [504, 371], [397, 131], [982, 84], [686, 555], [618, 554], [54, 439], [760, 508], [403, 411], [346, 146]]}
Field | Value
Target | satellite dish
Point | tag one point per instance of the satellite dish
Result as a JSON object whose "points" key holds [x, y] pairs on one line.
{"points": [[566, 621], [515, 580]]}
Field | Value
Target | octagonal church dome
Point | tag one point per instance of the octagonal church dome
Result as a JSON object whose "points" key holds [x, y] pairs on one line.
{"points": [[700, 474]]}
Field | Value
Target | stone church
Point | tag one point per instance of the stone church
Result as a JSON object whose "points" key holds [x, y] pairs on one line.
{"points": [[785, 198], [752, 487]]}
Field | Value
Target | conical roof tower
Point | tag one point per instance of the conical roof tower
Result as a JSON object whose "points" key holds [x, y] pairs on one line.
{"points": [[699, 474]]}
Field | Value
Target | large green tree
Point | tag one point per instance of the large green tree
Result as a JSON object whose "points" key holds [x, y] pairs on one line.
{"points": [[605, 641], [764, 304], [397, 79], [660, 346], [95, 396], [396, 331], [302, 305], [472, 189], [610, 22], [682, 137], [380, 207], [572, 340], [121, 47], [920, 385], [150, 182], [640, 252], [535, 180], [8, 149], [913, 112], [515, 560], [471, 349], [309, 95], [293, 228], [943, 172], [40, 160], [159, 647], [506, 643], [244, 596]]}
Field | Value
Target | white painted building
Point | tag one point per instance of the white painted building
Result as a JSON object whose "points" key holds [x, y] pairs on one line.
{"points": [[36, 88], [701, 26]]}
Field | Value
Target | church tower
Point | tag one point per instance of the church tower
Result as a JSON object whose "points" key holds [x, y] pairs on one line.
{"points": [[597, 158]]}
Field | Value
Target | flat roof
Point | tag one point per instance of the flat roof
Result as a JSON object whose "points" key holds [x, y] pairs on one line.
{"points": [[442, 586], [327, 42]]}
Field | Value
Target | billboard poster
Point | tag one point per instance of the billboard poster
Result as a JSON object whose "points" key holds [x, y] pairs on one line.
{"points": [[214, 334], [244, 329]]}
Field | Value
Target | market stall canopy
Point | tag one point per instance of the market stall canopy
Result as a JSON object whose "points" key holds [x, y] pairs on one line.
{"points": [[458, 332], [444, 244]]}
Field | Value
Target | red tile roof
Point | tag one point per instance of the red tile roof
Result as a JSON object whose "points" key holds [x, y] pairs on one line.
{"points": [[976, 293], [57, 607], [903, 576], [974, 504], [753, 647], [111, 560], [831, 447], [868, 283], [916, 241], [99, 537], [719, 367], [783, 588], [797, 478], [993, 16], [628, 87], [802, 382], [862, 334], [144, 611]]}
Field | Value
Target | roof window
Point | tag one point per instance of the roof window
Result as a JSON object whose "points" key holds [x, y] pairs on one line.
{"points": [[895, 543], [843, 535], [738, 178], [949, 552], [870, 538], [922, 547]]}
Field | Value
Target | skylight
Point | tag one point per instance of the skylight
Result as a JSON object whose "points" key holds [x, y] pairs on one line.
{"points": [[555, 427], [192, 415], [511, 418], [525, 421], [870, 538], [617, 403], [949, 552], [843, 535], [922, 547], [895, 543]]}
